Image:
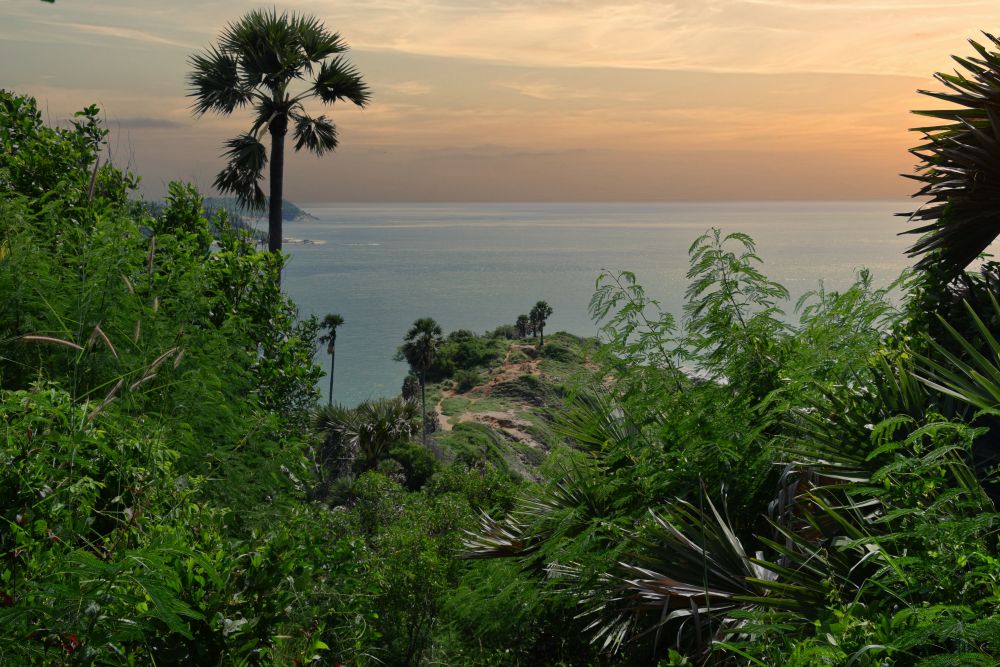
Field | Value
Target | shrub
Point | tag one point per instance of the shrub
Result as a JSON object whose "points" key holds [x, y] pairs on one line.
{"points": [[466, 380], [505, 331], [418, 463]]}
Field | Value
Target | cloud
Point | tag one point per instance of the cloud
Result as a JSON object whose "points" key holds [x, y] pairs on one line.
{"points": [[866, 5], [542, 90], [409, 87], [117, 32], [146, 123], [908, 37]]}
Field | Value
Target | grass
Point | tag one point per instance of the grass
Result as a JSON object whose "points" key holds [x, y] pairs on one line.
{"points": [[454, 406]]}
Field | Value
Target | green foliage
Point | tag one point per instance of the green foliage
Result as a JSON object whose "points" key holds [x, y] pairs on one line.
{"points": [[418, 463], [670, 527], [184, 218], [464, 351], [734, 326], [44, 164], [363, 436], [505, 331], [475, 445], [154, 395], [466, 380]]}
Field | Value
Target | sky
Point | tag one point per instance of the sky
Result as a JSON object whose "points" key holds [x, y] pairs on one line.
{"points": [[531, 100]]}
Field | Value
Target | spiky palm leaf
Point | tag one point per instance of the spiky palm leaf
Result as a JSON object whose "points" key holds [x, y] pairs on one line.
{"points": [[572, 505], [974, 379], [960, 165], [593, 421], [319, 135], [246, 159], [692, 577]]}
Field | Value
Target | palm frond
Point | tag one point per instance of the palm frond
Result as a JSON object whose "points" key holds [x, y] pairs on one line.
{"points": [[593, 421], [268, 47], [689, 571], [242, 175], [960, 167], [572, 505], [338, 80], [316, 41], [506, 538], [214, 82], [318, 135]]}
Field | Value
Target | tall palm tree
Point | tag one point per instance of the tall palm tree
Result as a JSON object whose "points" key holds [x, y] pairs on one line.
{"points": [[330, 324], [539, 313], [959, 158], [419, 348], [272, 63]]}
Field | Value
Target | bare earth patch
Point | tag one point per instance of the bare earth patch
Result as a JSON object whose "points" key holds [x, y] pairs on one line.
{"points": [[507, 422]]}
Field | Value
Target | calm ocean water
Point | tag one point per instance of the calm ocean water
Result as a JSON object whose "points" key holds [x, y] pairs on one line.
{"points": [[475, 266]]}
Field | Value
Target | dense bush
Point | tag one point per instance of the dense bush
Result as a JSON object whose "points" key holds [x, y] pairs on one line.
{"points": [[154, 397], [464, 350], [466, 380]]}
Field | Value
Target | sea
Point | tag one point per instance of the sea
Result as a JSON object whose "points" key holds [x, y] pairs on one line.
{"points": [[476, 266]]}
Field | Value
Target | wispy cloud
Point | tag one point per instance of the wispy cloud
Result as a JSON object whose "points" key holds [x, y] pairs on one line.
{"points": [[868, 5], [117, 32], [146, 123], [409, 87], [754, 36], [543, 90]]}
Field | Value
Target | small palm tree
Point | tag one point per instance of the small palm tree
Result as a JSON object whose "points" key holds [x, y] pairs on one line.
{"points": [[419, 348], [330, 324], [541, 312], [367, 432], [273, 63]]}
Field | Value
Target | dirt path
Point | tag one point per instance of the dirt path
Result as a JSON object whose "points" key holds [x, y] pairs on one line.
{"points": [[505, 422], [444, 422]]}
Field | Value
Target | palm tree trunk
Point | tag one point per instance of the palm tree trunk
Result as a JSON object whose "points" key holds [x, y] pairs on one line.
{"points": [[541, 333], [329, 398], [423, 403], [278, 128]]}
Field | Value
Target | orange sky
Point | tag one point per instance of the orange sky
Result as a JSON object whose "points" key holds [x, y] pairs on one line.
{"points": [[558, 100]]}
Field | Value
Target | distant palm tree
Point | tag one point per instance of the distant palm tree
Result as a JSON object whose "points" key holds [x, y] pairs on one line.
{"points": [[539, 314], [330, 324], [419, 348], [522, 325], [273, 62]]}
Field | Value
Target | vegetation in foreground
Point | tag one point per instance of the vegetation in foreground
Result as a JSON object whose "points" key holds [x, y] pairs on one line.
{"points": [[748, 486]]}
